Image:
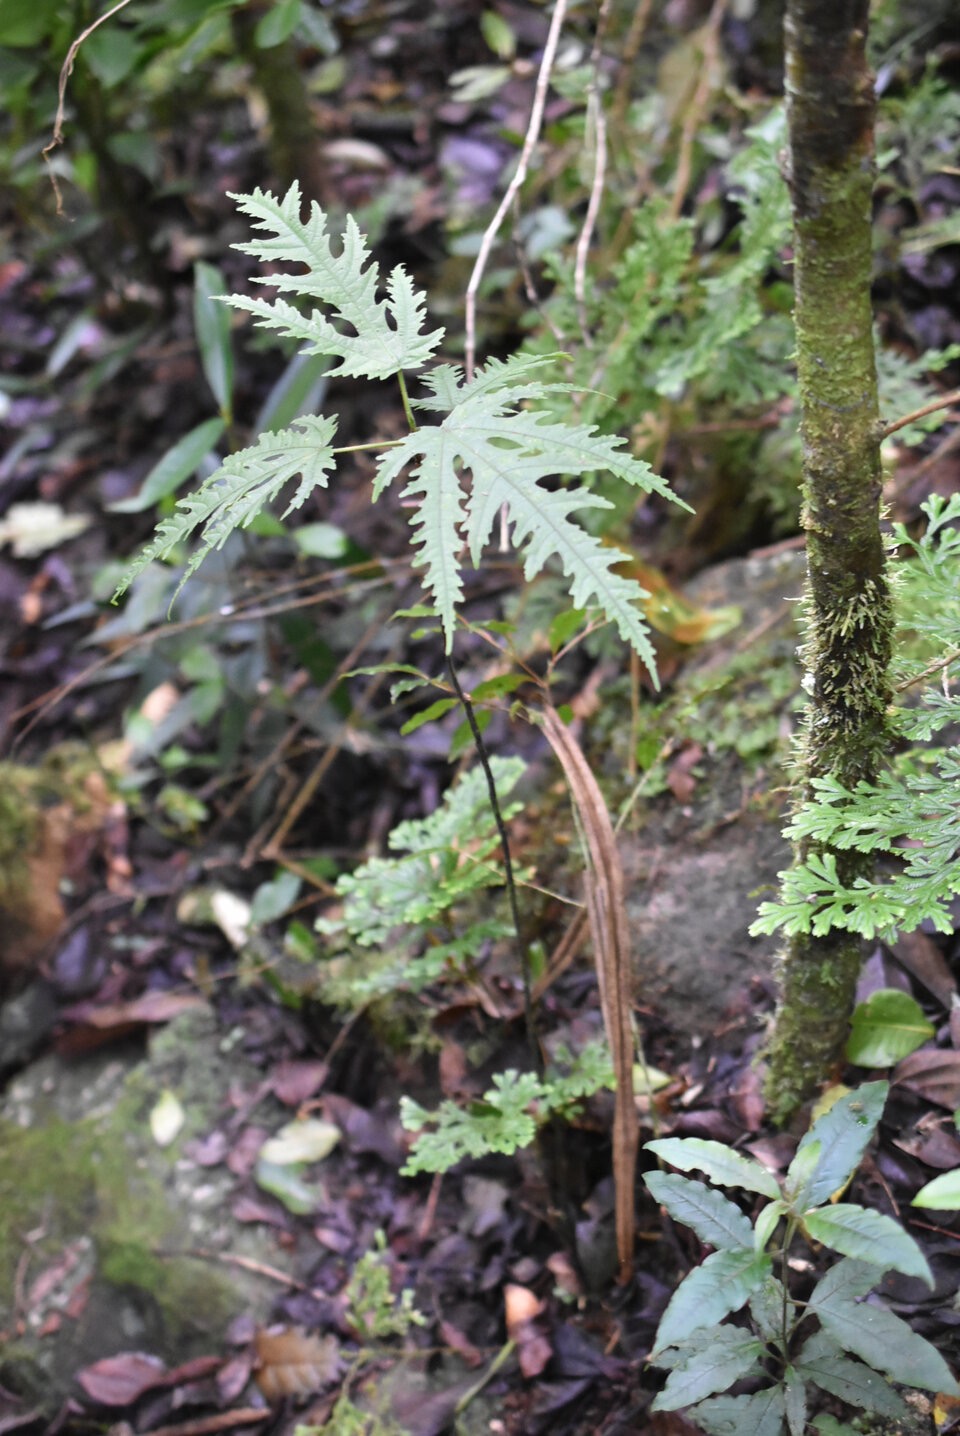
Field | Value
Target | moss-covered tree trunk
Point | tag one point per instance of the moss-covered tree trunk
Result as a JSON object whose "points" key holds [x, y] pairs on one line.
{"points": [[830, 108]]}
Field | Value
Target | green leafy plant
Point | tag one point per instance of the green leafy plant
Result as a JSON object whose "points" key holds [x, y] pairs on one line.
{"points": [[785, 1349], [910, 813], [508, 1115], [398, 926], [487, 453], [373, 1308]]}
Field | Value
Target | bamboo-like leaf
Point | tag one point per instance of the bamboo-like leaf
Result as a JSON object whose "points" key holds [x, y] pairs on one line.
{"points": [[385, 335], [233, 496], [718, 1161], [867, 1236], [821, 1362], [761, 1414], [713, 1365], [721, 1284], [713, 1217], [882, 1340]]}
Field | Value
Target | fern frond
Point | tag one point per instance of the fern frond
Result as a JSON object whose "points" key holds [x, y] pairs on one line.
{"points": [[233, 496], [386, 332], [507, 453]]}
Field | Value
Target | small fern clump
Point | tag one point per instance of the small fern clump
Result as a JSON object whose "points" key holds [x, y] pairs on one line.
{"points": [[405, 905], [911, 812], [488, 450]]}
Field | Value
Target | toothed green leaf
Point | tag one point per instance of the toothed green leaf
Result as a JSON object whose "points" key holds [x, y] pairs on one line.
{"points": [[233, 496], [383, 333]]}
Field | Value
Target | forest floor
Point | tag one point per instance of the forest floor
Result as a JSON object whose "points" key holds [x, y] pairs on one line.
{"points": [[158, 1025]]}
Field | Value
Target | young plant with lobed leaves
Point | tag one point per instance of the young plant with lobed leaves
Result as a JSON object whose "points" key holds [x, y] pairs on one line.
{"points": [[488, 450], [787, 1350]]}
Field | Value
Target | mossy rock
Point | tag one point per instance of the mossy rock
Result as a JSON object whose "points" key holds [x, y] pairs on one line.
{"points": [[89, 1202]]}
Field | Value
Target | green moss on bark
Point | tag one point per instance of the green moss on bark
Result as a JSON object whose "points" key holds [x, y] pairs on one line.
{"points": [[849, 621]]}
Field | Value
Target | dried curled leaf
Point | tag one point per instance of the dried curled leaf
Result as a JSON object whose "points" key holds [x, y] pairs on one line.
{"points": [[289, 1363]]}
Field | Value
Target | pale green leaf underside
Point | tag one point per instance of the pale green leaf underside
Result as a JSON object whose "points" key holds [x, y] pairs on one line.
{"points": [[380, 335], [879, 1337], [867, 1236], [720, 1285], [507, 453], [718, 1161], [713, 1217], [761, 1414], [233, 496], [820, 1362], [709, 1366]]}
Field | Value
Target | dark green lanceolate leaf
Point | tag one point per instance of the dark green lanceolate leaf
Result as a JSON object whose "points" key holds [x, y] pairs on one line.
{"points": [[507, 452], [386, 335], [888, 1026], [710, 1366], [174, 468], [714, 1218], [719, 1162], [878, 1337], [720, 1285], [825, 1366], [212, 325], [234, 496], [761, 1414], [843, 1134], [867, 1236]]}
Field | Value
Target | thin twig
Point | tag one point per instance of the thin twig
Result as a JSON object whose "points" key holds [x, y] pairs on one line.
{"points": [[511, 885], [520, 174], [66, 70], [631, 49], [598, 120], [693, 119], [922, 413]]}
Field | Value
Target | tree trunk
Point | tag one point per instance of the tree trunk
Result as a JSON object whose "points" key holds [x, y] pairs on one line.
{"points": [[830, 109]]}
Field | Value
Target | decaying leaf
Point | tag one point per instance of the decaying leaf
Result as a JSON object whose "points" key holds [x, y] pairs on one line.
{"points": [[290, 1363], [606, 912]]}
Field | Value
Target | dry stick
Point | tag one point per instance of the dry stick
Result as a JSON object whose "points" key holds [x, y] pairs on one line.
{"points": [[522, 950], [66, 70], [222, 1421], [631, 49], [932, 408], [595, 115], [606, 908], [520, 174], [698, 104]]}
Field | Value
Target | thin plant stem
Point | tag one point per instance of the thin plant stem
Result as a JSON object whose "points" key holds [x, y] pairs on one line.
{"points": [[407, 407], [511, 885], [921, 413], [520, 174]]}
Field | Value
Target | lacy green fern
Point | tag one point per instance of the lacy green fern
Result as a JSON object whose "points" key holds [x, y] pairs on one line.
{"points": [[488, 451], [393, 903], [915, 803]]}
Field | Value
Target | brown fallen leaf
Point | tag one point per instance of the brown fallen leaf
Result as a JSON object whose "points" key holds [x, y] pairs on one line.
{"points": [[290, 1363], [121, 1380], [933, 1073]]}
